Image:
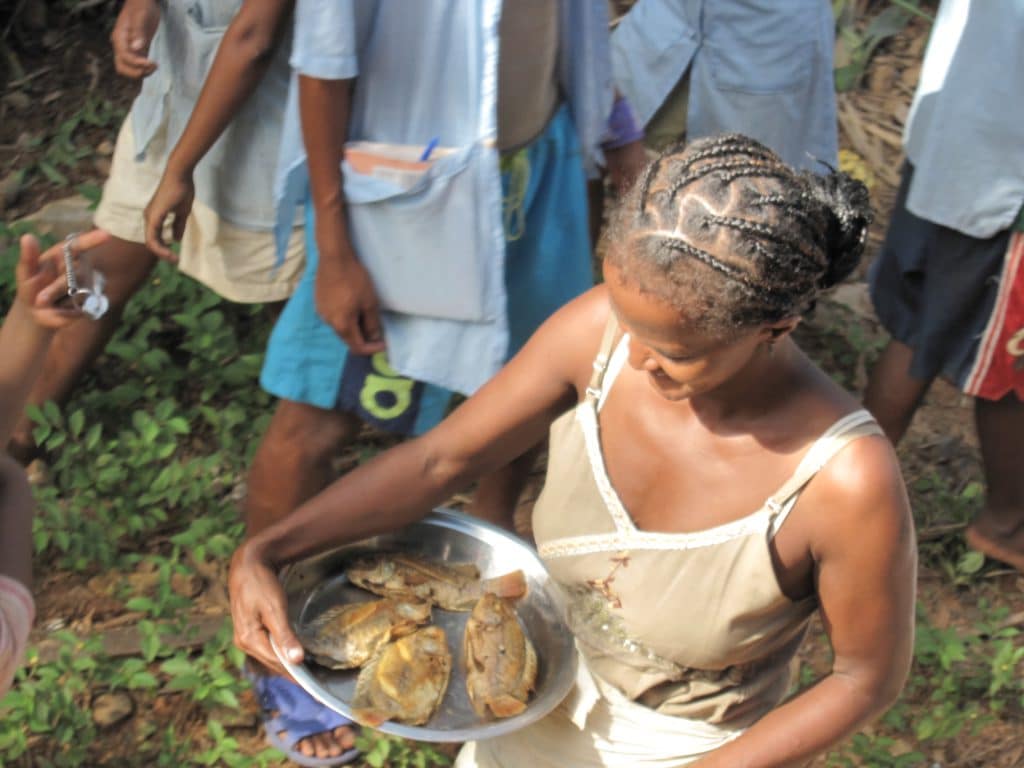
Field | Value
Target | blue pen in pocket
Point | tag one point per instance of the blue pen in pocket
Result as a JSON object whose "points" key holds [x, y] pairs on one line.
{"points": [[429, 149]]}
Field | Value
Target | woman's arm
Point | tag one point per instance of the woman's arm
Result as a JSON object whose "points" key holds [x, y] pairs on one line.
{"points": [[865, 568], [243, 56], [507, 416]]}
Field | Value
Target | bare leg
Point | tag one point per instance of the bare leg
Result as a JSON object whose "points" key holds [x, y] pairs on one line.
{"points": [[126, 265], [892, 394], [998, 530], [293, 461], [496, 495], [293, 464]]}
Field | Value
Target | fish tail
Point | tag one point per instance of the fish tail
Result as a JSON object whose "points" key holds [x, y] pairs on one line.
{"points": [[505, 705], [371, 718], [510, 585]]}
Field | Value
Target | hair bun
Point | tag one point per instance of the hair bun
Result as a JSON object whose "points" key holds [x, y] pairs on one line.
{"points": [[848, 207]]}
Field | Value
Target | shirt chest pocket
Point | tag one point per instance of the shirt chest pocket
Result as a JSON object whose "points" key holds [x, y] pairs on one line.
{"points": [[194, 29], [762, 46], [430, 234]]}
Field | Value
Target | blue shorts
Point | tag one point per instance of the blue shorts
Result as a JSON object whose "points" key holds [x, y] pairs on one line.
{"points": [[547, 264], [934, 289]]}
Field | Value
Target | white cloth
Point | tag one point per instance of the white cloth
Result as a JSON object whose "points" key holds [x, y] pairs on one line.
{"points": [[598, 727], [17, 612]]}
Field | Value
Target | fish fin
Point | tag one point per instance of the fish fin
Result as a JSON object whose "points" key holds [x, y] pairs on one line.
{"points": [[509, 585], [530, 665], [365, 679], [369, 717], [505, 705], [465, 569], [475, 698]]}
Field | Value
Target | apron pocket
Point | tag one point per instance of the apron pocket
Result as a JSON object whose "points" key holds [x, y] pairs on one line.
{"points": [[423, 229]]}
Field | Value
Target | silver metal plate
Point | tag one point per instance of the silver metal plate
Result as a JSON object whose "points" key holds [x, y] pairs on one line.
{"points": [[313, 585]]}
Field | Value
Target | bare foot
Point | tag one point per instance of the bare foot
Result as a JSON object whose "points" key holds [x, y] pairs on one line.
{"points": [[998, 543], [327, 744]]}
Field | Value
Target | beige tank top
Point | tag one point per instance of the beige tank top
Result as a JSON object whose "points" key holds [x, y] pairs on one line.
{"points": [[689, 624]]}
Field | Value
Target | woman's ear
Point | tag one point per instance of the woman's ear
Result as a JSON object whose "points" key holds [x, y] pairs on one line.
{"points": [[773, 332]]}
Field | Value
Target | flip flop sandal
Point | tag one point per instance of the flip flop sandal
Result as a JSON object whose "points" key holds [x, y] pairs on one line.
{"points": [[301, 716]]}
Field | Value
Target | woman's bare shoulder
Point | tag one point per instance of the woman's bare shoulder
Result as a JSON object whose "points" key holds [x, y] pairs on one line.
{"points": [[572, 336], [860, 497]]}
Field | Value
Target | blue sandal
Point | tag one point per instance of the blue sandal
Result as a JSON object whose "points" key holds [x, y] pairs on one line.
{"points": [[301, 716]]}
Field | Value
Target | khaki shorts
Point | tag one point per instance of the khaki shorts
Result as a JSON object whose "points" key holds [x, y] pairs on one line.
{"points": [[239, 264]]}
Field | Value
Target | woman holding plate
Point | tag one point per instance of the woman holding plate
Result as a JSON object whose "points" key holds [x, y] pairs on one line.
{"points": [[708, 490]]}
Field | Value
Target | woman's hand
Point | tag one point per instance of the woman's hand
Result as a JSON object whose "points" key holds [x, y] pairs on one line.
{"points": [[133, 32], [42, 282], [174, 195], [258, 609]]}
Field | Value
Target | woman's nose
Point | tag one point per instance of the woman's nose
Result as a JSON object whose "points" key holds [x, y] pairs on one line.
{"points": [[640, 357]]}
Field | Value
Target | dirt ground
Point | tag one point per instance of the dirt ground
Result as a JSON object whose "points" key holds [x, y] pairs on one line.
{"points": [[69, 67]]}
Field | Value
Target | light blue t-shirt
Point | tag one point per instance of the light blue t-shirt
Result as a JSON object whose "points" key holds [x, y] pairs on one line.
{"points": [[758, 67], [434, 244], [965, 132]]}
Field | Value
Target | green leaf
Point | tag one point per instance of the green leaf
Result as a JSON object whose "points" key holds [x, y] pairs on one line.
{"points": [[227, 698], [76, 422], [92, 193], [177, 665], [973, 490], [52, 413], [92, 438], [51, 173], [971, 562], [140, 604]]}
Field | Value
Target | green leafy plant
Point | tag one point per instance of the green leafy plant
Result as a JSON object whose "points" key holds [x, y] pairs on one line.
{"points": [[381, 751], [857, 37]]}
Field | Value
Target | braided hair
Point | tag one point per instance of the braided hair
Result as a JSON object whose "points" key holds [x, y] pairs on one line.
{"points": [[725, 230]]}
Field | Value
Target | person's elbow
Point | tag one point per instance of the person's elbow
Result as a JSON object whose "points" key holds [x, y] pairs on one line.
{"points": [[253, 42], [877, 687], [442, 468]]}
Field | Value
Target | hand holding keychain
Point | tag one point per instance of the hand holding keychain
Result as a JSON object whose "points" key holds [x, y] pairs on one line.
{"points": [[84, 283]]}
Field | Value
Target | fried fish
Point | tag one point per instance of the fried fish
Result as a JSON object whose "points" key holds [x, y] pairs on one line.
{"points": [[501, 664], [347, 636], [453, 586], [405, 681]]}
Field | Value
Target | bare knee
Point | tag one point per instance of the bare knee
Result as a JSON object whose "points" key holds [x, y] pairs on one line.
{"points": [[125, 265], [293, 462], [300, 433]]}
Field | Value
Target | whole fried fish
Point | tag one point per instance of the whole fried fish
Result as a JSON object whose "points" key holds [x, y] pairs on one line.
{"points": [[405, 681], [453, 586], [347, 636], [501, 664]]}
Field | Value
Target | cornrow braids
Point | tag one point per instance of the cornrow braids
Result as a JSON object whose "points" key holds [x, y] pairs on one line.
{"points": [[742, 238]]}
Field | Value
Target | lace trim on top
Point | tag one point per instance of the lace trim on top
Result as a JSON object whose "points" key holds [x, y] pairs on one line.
{"points": [[768, 518]]}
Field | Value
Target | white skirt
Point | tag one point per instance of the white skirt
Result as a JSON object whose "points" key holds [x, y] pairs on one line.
{"points": [[598, 727]]}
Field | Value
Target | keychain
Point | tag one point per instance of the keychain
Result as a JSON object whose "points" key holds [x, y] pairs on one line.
{"points": [[90, 298]]}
